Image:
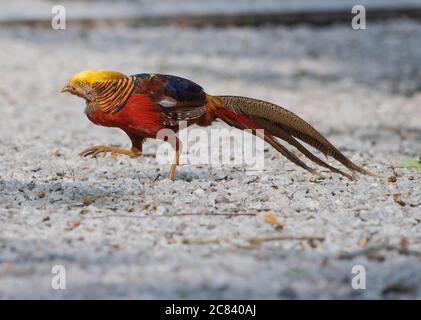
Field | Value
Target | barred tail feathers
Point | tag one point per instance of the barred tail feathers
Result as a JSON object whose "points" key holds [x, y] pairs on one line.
{"points": [[243, 113]]}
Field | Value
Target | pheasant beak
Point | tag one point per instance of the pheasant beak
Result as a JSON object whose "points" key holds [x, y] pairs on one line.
{"points": [[73, 90], [66, 89], [77, 92]]}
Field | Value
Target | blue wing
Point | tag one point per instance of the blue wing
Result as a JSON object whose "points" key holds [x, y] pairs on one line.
{"points": [[171, 91]]}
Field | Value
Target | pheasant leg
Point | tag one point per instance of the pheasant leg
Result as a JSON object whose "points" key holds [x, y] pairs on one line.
{"points": [[94, 151], [171, 174]]}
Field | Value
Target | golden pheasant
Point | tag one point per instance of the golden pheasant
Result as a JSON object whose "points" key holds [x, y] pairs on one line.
{"points": [[143, 104]]}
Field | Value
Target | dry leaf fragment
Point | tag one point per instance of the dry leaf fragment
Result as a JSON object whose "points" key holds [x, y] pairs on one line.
{"points": [[273, 220], [154, 210], [71, 225], [362, 243], [41, 195], [392, 179], [404, 244], [397, 198], [88, 200]]}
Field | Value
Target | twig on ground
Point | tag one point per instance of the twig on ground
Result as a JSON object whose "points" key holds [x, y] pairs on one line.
{"points": [[229, 215], [281, 237], [149, 155], [372, 250], [257, 240]]}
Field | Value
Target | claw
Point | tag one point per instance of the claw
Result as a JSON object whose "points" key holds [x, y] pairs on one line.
{"points": [[94, 151]]}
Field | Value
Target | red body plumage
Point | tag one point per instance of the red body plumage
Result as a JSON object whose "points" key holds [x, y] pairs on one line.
{"points": [[140, 116]]}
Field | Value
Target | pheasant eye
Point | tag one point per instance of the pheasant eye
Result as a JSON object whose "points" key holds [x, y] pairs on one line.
{"points": [[80, 83]]}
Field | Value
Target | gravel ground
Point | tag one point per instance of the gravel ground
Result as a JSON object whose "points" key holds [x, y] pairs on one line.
{"points": [[119, 234]]}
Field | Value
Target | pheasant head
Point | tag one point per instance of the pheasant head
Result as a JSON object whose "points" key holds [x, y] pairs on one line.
{"points": [[109, 90]]}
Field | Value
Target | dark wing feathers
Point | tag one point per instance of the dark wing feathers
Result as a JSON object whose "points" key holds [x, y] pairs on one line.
{"points": [[179, 99], [161, 87]]}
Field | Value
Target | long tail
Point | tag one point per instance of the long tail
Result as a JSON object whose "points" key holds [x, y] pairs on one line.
{"points": [[277, 122]]}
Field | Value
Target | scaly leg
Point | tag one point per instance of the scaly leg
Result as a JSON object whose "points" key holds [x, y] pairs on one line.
{"points": [[178, 147], [94, 151]]}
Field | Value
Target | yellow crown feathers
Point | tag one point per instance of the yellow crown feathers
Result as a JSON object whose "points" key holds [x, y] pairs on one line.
{"points": [[91, 76]]}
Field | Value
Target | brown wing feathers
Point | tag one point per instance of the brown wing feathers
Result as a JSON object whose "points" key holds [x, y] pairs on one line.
{"points": [[287, 126]]}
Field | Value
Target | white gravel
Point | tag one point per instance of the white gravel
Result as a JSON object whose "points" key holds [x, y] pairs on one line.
{"points": [[121, 235]]}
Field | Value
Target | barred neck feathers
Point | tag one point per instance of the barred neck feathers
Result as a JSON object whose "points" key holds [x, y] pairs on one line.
{"points": [[111, 95]]}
